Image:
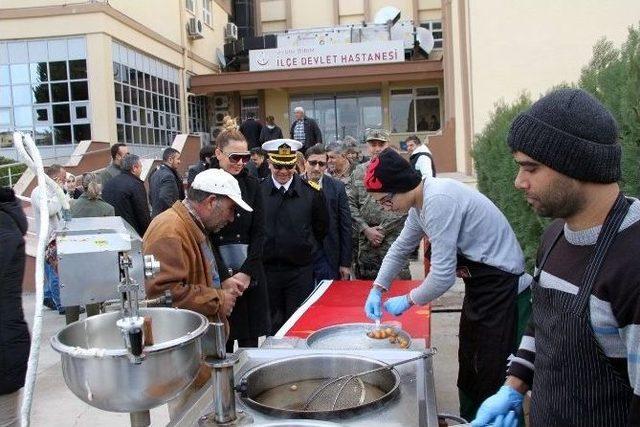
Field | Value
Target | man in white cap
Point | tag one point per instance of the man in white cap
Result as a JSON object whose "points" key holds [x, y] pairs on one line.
{"points": [[296, 223], [178, 239]]}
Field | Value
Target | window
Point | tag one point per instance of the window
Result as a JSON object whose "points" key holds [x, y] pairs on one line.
{"points": [[249, 104], [147, 95], [436, 30], [206, 12], [191, 5], [198, 114], [415, 110], [44, 90], [341, 114]]}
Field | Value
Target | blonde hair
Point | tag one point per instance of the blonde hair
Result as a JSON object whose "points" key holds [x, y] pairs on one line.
{"points": [[229, 123], [92, 186]]}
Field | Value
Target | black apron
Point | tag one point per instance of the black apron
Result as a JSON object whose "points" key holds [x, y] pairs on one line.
{"points": [[574, 383], [488, 326]]}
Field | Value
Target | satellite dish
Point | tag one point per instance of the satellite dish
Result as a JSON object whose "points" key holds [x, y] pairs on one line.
{"points": [[222, 61], [424, 39], [386, 14]]}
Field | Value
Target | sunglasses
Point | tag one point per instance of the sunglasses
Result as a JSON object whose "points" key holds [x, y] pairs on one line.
{"points": [[387, 200], [287, 167], [315, 163], [238, 157]]}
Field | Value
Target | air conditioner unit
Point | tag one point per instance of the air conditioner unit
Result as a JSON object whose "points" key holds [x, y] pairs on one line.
{"points": [[219, 117], [230, 32], [194, 28], [220, 102]]}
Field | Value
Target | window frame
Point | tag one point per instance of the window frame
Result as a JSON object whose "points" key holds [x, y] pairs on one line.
{"points": [[207, 13], [193, 6], [438, 43], [414, 98]]}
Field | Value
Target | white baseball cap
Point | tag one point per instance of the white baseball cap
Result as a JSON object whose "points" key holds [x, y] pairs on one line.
{"points": [[217, 181]]}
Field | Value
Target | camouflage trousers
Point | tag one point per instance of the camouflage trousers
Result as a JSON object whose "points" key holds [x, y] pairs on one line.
{"points": [[370, 259]]}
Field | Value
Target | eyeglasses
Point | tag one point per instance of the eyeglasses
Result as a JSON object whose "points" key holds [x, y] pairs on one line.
{"points": [[287, 167], [315, 163], [386, 201], [238, 157]]}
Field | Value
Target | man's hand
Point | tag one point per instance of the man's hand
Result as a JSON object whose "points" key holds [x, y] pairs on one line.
{"points": [[244, 279], [374, 235], [233, 285], [345, 273], [229, 302]]}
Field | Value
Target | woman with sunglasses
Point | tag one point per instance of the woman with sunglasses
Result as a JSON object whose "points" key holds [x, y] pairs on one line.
{"points": [[239, 246]]}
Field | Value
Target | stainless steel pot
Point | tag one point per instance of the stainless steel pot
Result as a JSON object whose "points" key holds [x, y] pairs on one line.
{"points": [[298, 369], [97, 369]]}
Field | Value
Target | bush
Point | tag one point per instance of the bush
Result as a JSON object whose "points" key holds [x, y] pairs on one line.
{"points": [[16, 171], [496, 172], [613, 76]]}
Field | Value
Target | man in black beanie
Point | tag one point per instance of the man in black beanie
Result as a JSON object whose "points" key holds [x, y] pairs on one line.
{"points": [[580, 355], [470, 238]]}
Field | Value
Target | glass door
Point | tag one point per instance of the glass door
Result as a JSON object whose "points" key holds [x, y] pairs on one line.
{"points": [[325, 115], [347, 113]]}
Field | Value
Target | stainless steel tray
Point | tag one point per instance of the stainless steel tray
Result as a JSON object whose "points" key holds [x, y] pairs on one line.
{"points": [[353, 336]]}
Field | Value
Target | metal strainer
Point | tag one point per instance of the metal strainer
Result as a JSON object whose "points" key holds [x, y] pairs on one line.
{"points": [[349, 391]]}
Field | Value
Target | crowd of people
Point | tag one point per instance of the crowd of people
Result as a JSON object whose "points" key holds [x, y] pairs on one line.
{"points": [[261, 223]]}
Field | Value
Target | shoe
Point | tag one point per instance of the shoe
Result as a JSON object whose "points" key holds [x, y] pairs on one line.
{"points": [[48, 302]]}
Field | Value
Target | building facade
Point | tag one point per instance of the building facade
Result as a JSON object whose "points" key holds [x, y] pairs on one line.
{"points": [[106, 71]]}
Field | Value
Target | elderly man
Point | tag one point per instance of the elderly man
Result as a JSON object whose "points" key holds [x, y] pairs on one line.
{"points": [[305, 130], [339, 165], [333, 260], [178, 239], [127, 195], [376, 228], [580, 354], [296, 224], [165, 185], [118, 152]]}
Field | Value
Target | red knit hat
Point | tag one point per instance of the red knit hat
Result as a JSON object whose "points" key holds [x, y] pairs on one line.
{"points": [[390, 173]]}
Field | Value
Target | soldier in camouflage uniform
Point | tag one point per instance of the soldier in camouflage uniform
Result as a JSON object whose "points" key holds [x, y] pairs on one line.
{"points": [[376, 228], [339, 167]]}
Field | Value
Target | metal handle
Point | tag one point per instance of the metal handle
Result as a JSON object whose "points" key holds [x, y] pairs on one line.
{"points": [[425, 355]]}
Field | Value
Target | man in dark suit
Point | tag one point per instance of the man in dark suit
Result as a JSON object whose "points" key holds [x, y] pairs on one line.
{"points": [[251, 129], [127, 195], [333, 260], [305, 130], [296, 224], [165, 184]]}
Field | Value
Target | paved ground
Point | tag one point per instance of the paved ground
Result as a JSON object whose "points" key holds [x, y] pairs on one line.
{"points": [[55, 406]]}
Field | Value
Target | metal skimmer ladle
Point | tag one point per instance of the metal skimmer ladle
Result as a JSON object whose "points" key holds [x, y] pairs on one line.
{"points": [[348, 391]]}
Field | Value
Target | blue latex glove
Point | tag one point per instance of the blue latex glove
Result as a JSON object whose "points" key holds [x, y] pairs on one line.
{"points": [[397, 305], [373, 306], [496, 409]]}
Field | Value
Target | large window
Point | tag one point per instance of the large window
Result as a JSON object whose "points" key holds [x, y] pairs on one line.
{"points": [[436, 30], [190, 5], [44, 90], [197, 113], [147, 94], [343, 114], [415, 110], [249, 105]]}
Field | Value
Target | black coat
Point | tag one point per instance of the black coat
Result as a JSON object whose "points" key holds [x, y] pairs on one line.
{"points": [[250, 317], [14, 333], [195, 170], [269, 134], [165, 188], [259, 172], [251, 129], [127, 195], [337, 245], [296, 224], [312, 133]]}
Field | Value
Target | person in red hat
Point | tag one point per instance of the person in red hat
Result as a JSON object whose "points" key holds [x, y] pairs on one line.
{"points": [[470, 238]]}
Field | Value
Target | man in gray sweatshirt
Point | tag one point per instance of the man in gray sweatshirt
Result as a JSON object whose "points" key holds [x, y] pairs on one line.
{"points": [[470, 238]]}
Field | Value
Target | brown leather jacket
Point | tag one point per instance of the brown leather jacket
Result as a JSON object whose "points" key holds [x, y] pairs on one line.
{"points": [[175, 239]]}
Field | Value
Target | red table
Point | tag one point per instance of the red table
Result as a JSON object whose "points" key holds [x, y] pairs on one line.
{"points": [[335, 302]]}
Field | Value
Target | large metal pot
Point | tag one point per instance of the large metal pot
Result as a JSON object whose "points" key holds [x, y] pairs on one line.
{"points": [[297, 369], [97, 369]]}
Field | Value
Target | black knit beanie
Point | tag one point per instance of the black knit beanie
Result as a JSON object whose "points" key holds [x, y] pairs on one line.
{"points": [[571, 132], [390, 173]]}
